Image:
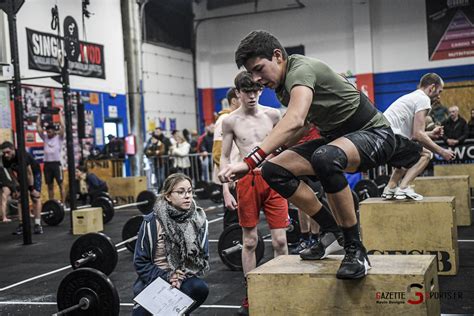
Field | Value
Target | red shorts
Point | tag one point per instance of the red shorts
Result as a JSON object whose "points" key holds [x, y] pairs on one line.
{"points": [[253, 194]]}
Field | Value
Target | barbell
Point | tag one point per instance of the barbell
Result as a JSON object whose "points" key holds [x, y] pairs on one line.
{"points": [[97, 251], [53, 210], [230, 247], [89, 292]]}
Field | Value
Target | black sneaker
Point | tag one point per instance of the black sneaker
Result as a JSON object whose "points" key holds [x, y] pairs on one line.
{"points": [[244, 308], [38, 229], [355, 264], [18, 230], [302, 245], [328, 243]]}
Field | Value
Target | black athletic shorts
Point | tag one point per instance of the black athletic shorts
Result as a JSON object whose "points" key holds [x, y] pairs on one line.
{"points": [[6, 180], [375, 146], [407, 153], [52, 170]]}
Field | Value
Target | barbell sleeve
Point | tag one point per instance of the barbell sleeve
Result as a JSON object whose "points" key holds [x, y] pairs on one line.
{"points": [[232, 249], [126, 241], [89, 257], [84, 303], [130, 205]]}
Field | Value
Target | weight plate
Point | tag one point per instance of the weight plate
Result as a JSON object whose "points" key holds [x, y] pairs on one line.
{"points": [[99, 244], [382, 182], [130, 229], [366, 188], [93, 284], [293, 231], [53, 212], [106, 195], [230, 237], [107, 207], [148, 196]]}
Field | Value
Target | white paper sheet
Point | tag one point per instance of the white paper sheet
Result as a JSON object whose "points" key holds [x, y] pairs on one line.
{"points": [[159, 298]]}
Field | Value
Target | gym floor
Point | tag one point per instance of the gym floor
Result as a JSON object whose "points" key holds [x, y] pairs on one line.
{"points": [[31, 274]]}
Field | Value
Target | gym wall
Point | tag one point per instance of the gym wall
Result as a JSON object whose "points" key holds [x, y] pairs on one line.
{"points": [[103, 28], [353, 37], [3, 40], [168, 88], [102, 90]]}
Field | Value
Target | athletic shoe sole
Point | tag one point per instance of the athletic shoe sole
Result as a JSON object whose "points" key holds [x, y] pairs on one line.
{"points": [[359, 275], [411, 197]]}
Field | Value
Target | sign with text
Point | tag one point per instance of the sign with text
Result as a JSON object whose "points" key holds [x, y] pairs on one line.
{"points": [[44, 49], [450, 25]]}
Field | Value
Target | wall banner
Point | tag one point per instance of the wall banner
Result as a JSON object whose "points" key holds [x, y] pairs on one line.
{"points": [[450, 25], [43, 50]]}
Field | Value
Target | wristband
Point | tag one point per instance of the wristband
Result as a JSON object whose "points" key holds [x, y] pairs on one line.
{"points": [[255, 158], [279, 150], [31, 188]]}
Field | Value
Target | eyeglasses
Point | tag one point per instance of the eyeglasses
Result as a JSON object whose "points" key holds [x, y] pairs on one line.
{"points": [[183, 193]]}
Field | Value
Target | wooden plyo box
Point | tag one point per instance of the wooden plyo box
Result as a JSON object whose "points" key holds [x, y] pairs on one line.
{"points": [[288, 285], [412, 228], [456, 170], [457, 186], [107, 168], [87, 220], [125, 190]]}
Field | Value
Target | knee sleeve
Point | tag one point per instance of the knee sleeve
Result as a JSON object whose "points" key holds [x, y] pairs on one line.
{"points": [[329, 163], [280, 179]]}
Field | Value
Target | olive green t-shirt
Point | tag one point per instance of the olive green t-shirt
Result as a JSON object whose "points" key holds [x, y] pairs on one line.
{"points": [[334, 98]]}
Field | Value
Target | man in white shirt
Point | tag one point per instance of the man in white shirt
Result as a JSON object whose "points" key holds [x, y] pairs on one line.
{"points": [[414, 145]]}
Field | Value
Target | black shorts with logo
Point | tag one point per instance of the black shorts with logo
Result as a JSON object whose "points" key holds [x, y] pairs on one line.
{"points": [[407, 153], [375, 146], [52, 170]]}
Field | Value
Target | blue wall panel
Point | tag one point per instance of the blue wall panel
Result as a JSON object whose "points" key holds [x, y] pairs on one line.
{"points": [[391, 85]]}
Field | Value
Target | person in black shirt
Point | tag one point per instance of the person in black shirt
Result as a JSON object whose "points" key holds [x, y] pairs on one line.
{"points": [[470, 125], [11, 163], [115, 148], [94, 186], [455, 128]]}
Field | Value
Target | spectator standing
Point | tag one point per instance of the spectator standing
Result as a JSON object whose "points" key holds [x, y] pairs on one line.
{"points": [[158, 146], [180, 152], [439, 113], [205, 152], [115, 148], [470, 125], [455, 128]]}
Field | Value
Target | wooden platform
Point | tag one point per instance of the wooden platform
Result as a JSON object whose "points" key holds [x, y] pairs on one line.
{"points": [[410, 227], [457, 186], [456, 170], [288, 285], [106, 168], [125, 190]]}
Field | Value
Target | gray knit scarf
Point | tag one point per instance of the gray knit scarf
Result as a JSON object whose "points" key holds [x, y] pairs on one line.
{"points": [[182, 237]]}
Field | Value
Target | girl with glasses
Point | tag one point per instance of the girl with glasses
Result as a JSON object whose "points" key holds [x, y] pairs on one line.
{"points": [[173, 243]]}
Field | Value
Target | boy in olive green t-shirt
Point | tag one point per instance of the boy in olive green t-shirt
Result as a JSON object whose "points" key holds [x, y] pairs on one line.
{"points": [[356, 137]]}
